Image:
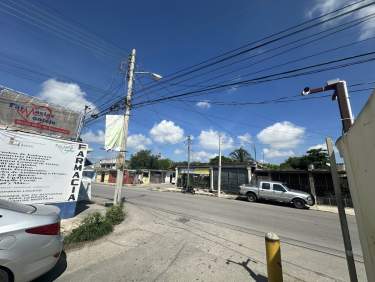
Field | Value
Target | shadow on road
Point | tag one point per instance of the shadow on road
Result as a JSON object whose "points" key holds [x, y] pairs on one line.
{"points": [[264, 202], [244, 264], [55, 272]]}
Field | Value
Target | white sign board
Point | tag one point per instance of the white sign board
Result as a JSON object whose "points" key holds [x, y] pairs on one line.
{"points": [[38, 169]]}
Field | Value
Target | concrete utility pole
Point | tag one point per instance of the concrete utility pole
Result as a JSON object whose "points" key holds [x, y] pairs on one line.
{"points": [[188, 155], [255, 152], [120, 163], [342, 215], [82, 122], [219, 170]]}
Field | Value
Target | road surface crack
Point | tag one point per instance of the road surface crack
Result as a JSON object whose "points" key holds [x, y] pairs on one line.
{"points": [[171, 262]]}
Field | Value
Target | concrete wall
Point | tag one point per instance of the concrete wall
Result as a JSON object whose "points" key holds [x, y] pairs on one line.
{"points": [[357, 147]]}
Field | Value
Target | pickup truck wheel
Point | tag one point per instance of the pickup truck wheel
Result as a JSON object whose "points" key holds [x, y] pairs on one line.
{"points": [[251, 197], [299, 204]]}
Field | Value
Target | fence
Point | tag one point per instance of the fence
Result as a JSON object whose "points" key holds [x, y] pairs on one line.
{"points": [[331, 201]]}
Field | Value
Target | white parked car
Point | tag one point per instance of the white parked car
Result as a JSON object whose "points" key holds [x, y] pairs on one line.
{"points": [[30, 240]]}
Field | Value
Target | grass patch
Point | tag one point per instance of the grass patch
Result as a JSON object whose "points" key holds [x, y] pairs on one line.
{"points": [[92, 227], [115, 214], [95, 226]]}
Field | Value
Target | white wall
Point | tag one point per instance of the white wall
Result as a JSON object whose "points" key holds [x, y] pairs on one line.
{"points": [[357, 147]]}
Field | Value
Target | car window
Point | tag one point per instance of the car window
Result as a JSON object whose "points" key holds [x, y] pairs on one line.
{"points": [[278, 187], [17, 207], [266, 186]]}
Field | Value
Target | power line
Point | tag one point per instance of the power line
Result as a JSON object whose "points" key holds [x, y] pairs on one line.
{"points": [[52, 27], [160, 83], [342, 27], [260, 45], [271, 77]]}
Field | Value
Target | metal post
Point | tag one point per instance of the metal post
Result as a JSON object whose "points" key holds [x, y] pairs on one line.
{"points": [[219, 170], [188, 172], [341, 94], [344, 105], [342, 215], [122, 154]]}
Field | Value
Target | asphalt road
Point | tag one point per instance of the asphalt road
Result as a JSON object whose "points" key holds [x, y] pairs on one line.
{"points": [[315, 230]]}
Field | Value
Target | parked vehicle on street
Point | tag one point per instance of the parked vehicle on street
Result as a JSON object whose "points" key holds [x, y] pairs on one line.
{"points": [[276, 191], [30, 240]]}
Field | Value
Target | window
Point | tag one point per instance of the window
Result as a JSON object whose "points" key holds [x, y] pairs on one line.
{"points": [[266, 186], [278, 187]]}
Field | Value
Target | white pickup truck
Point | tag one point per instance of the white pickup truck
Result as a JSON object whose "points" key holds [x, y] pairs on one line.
{"points": [[276, 191]]}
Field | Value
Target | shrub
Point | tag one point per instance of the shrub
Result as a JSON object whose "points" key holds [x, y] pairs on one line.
{"points": [[115, 214], [93, 227]]}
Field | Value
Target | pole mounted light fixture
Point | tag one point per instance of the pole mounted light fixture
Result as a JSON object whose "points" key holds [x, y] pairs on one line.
{"points": [[341, 95], [154, 76]]}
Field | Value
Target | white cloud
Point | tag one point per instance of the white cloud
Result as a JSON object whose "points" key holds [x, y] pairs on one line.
{"points": [[178, 151], [282, 135], [69, 95], [209, 139], [202, 156], [93, 137], [325, 6], [138, 142], [167, 132], [244, 139], [275, 153], [203, 104], [318, 146], [322, 146]]}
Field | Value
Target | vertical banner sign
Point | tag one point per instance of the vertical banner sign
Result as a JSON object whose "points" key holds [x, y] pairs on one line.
{"points": [[39, 169], [29, 114], [114, 132]]}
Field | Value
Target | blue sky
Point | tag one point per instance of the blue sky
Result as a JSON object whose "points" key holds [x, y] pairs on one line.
{"points": [[81, 47]]}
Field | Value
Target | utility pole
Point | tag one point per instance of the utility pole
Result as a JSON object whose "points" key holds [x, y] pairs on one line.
{"points": [[255, 152], [342, 215], [82, 123], [120, 163], [219, 170], [188, 155]]}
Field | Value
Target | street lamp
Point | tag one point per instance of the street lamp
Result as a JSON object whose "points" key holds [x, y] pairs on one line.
{"points": [[155, 76]]}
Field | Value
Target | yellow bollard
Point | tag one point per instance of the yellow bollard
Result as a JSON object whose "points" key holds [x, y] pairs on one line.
{"points": [[273, 255]]}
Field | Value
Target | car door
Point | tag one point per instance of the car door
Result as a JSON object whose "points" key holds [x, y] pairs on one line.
{"points": [[278, 192], [265, 191]]}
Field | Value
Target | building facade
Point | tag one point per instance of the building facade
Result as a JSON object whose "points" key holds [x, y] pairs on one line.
{"points": [[106, 172]]}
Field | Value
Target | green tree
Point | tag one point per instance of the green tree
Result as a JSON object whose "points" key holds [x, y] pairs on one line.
{"points": [[240, 155], [270, 166], [145, 159], [224, 160], [317, 157], [165, 164]]}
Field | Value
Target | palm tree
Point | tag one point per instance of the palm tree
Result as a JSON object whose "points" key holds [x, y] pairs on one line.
{"points": [[240, 155]]}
